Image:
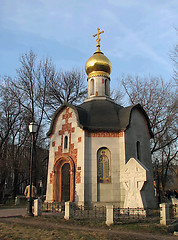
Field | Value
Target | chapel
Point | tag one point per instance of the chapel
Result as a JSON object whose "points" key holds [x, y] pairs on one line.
{"points": [[99, 150]]}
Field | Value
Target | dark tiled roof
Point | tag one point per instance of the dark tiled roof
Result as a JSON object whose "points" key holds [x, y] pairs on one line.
{"points": [[102, 115]]}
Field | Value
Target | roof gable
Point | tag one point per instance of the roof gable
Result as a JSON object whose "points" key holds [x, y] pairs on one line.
{"points": [[56, 114]]}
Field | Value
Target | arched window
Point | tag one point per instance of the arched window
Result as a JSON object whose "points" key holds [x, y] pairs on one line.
{"points": [[138, 150], [92, 87], [103, 165], [65, 142], [105, 85]]}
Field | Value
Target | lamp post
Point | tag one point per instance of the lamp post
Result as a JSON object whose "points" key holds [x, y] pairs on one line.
{"points": [[158, 189], [32, 129]]}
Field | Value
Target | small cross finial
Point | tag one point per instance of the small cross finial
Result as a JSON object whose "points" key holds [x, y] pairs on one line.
{"points": [[98, 39]]}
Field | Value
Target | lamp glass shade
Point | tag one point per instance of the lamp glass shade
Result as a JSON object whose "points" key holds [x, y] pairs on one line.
{"points": [[33, 127]]}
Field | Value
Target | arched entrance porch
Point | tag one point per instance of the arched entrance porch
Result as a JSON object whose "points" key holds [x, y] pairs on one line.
{"points": [[64, 176]]}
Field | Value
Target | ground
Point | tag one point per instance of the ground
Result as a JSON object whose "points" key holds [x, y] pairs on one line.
{"points": [[50, 227]]}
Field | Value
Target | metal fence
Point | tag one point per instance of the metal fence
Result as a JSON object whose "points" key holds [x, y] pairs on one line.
{"points": [[89, 212], [79, 212], [131, 215], [53, 207], [120, 215]]}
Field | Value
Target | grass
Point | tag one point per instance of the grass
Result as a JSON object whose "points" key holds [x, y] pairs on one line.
{"points": [[21, 232], [83, 229], [138, 227], [76, 230], [141, 227]]}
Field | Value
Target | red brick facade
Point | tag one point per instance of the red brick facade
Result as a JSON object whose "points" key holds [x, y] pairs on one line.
{"points": [[51, 178], [78, 177], [104, 134], [62, 157]]}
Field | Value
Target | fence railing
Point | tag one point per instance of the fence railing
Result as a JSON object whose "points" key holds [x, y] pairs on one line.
{"points": [[127, 215], [111, 214], [89, 212], [53, 207]]}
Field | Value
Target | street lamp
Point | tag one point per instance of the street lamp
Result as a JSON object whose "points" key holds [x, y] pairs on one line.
{"points": [[32, 129], [157, 173]]}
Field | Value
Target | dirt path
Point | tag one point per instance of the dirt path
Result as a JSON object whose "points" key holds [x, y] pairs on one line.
{"points": [[110, 232]]}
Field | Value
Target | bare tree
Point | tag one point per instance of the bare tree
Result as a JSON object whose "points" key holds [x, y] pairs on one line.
{"points": [[174, 57], [68, 87], [33, 95], [29, 90], [10, 115], [159, 100], [31, 84], [117, 95]]}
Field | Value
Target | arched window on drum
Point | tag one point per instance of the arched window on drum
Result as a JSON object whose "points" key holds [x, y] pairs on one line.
{"points": [[92, 87], [106, 87], [104, 165]]}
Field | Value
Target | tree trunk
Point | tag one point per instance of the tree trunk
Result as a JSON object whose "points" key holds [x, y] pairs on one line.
{"points": [[15, 183], [2, 185]]}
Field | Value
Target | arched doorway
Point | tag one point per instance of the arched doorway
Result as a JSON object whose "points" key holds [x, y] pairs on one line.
{"points": [[65, 183], [63, 180]]}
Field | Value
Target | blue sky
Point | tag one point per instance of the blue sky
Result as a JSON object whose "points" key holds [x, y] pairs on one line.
{"points": [[139, 34]]}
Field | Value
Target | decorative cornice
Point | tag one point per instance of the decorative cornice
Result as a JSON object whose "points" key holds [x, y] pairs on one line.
{"points": [[104, 134], [98, 74]]}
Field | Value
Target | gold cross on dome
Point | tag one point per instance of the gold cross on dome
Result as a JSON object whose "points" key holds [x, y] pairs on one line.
{"points": [[98, 39]]}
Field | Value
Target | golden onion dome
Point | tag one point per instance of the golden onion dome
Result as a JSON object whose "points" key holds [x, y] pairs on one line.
{"points": [[98, 64]]}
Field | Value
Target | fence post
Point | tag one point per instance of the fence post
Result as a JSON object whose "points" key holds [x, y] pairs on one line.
{"points": [[109, 215], [17, 200], [68, 210], [164, 213], [37, 207], [175, 206]]}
